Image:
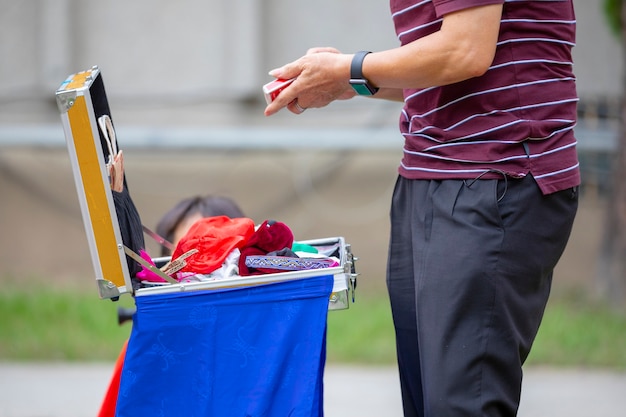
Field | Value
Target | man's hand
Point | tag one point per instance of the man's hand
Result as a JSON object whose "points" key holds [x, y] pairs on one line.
{"points": [[321, 76]]}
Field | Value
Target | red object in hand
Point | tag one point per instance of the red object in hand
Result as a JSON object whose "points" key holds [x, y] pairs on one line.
{"points": [[272, 89]]}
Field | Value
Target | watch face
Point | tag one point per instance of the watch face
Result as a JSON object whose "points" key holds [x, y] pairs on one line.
{"points": [[362, 88]]}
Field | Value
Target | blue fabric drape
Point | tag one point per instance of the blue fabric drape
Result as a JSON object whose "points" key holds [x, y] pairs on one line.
{"points": [[250, 351]]}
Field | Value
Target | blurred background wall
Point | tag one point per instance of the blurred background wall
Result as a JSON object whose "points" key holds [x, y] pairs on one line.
{"points": [[184, 84], [202, 63]]}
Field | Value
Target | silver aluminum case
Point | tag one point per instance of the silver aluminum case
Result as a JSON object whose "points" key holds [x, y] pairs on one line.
{"points": [[81, 99]]}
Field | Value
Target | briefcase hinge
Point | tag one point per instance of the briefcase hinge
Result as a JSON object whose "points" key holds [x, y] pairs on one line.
{"points": [[66, 100]]}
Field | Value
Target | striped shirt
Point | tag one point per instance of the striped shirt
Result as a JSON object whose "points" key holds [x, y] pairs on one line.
{"points": [[517, 118]]}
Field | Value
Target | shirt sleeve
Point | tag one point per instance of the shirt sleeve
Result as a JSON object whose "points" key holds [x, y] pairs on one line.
{"points": [[443, 7]]}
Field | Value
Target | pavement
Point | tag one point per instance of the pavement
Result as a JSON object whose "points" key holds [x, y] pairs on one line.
{"points": [[76, 390]]}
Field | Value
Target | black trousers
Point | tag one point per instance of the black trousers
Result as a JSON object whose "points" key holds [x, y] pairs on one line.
{"points": [[469, 273]]}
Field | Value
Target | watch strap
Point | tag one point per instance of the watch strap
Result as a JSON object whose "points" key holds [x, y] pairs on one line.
{"points": [[359, 83], [356, 67]]}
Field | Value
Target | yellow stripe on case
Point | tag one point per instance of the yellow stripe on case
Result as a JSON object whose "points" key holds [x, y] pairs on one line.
{"points": [[95, 193]]}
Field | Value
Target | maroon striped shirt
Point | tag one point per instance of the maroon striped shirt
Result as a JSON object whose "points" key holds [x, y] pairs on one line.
{"points": [[517, 118]]}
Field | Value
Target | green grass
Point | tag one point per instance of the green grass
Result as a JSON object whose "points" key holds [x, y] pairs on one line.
{"points": [[575, 332], [59, 325], [39, 324], [363, 333]]}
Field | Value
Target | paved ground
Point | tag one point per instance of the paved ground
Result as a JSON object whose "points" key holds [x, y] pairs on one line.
{"points": [[76, 390]]}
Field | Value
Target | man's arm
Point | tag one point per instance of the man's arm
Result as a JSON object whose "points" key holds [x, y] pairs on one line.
{"points": [[463, 48]]}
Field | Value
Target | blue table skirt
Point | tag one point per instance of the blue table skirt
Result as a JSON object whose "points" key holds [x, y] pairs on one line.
{"points": [[250, 351]]}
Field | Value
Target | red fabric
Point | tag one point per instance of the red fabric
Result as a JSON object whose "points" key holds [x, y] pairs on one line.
{"points": [[107, 409], [271, 236], [215, 238]]}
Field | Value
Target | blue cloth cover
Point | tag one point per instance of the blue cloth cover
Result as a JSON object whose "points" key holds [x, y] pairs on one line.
{"points": [[248, 351]]}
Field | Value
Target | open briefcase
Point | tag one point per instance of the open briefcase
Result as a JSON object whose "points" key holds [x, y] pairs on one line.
{"points": [[82, 101], [244, 345]]}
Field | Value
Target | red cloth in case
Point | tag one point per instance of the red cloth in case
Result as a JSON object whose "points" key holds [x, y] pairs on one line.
{"points": [[215, 238], [271, 236]]}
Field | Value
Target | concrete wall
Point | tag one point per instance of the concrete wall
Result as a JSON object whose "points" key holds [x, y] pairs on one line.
{"points": [[183, 62], [198, 62], [598, 59]]}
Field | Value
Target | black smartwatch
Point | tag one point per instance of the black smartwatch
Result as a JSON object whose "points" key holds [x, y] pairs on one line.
{"points": [[359, 83]]}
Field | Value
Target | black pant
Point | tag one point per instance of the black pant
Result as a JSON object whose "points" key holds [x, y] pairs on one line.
{"points": [[469, 274]]}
